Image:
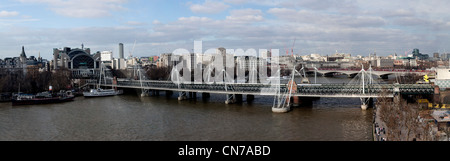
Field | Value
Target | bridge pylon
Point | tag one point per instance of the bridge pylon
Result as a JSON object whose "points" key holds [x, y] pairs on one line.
{"points": [[365, 79], [282, 100], [280, 103]]}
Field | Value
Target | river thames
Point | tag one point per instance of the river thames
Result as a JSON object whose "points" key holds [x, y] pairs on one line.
{"points": [[131, 117]]}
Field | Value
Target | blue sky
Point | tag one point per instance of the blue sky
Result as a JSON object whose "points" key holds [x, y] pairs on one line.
{"points": [[358, 27]]}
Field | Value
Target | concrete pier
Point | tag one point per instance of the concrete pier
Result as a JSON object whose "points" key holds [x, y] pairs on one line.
{"points": [[250, 98], [194, 95], [169, 93], [364, 103], [364, 107], [182, 96], [230, 99], [281, 110], [155, 92], [238, 98], [295, 101], [371, 103], [206, 95]]}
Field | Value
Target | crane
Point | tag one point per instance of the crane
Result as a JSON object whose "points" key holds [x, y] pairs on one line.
{"points": [[131, 52], [287, 50], [293, 45], [406, 52]]}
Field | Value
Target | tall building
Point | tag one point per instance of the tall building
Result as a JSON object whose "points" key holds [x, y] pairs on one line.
{"points": [[435, 55], [119, 63], [121, 51], [168, 60], [419, 55], [107, 57], [445, 56]]}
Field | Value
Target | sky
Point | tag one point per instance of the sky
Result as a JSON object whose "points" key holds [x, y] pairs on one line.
{"points": [[152, 27]]}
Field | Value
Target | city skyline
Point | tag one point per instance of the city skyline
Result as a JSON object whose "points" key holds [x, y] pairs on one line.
{"points": [[358, 27]]}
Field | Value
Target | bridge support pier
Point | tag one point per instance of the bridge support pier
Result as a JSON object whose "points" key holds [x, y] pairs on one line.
{"points": [[194, 95], [144, 93], [281, 110], [182, 96], [169, 93], [205, 95], [303, 101], [238, 98], [295, 101], [366, 103], [250, 98], [364, 106], [155, 93], [231, 98]]}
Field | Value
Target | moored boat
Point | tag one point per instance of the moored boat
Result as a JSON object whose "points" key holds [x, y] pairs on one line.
{"points": [[102, 92], [41, 98]]}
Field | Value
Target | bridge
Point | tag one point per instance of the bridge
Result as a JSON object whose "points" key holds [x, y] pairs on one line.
{"points": [[85, 73], [381, 73], [282, 92], [362, 86]]}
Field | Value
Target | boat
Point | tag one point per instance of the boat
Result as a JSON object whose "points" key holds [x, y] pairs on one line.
{"points": [[101, 92], [42, 98]]}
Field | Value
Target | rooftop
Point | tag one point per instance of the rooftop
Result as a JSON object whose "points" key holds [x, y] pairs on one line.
{"points": [[441, 116]]}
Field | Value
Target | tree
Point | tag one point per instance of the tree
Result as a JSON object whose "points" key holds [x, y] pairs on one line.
{"points": [[402, 119], [158, 73], [60, 79]]}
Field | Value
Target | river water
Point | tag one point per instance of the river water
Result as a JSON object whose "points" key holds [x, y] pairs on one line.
{"points": [[131, 117]]}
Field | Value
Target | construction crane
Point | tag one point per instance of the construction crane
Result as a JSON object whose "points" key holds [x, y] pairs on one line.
{"points": [[406, 52], [131, 52], [287, 50], [293, 45], [292, 48]]}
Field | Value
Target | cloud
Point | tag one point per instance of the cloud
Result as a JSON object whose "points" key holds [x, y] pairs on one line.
{"points": [[354, 26], [82, 8], [245, 15], [209, 6], [8, 13], [135, 23], [397, 13], [255, 2], [326, 19]]}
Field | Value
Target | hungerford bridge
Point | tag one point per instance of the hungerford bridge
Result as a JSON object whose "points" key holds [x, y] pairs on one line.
{"points": [[362, 86]]}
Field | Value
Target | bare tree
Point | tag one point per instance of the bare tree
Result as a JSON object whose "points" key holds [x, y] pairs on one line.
{"points": [[60, 79], [158, 73], [402, 119]]}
